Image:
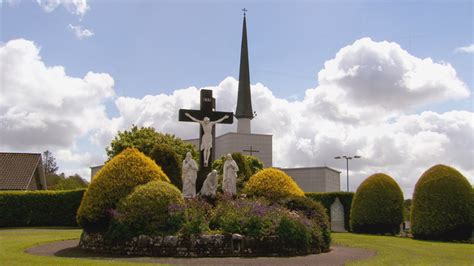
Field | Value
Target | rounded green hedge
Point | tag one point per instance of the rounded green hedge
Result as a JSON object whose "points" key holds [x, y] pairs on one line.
{"points": [[272, 184], [377, 207], [442, 205], [169, 161], [113, 182], [154, 208]]}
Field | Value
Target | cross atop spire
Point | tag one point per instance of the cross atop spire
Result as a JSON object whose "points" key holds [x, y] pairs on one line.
{"points": [[245, 11]]}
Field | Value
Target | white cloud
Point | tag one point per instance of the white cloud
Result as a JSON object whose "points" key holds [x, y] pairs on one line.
{"points": [[80, 32], [348, 113], [362, 106], [76, 7], [382, 75], [465, 49], [43, 106]]}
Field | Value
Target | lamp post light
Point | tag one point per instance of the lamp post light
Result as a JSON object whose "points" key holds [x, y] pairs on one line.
{"points": [[347, 165]]}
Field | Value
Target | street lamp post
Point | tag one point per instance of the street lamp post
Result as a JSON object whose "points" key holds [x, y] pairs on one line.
{"points": [[347, 165]]}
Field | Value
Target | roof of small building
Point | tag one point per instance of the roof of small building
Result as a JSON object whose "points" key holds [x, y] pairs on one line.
{"points": [[17, 170], [309, 168]]}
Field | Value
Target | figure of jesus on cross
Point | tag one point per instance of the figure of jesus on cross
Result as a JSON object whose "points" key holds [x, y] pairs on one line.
{"points": [[207, 117], [206, 142]]}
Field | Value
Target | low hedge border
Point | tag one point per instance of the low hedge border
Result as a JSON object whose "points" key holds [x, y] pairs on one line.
{"points": [[39, 208], [327, 198]]}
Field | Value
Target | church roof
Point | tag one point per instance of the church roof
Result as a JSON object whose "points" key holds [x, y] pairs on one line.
{"points": [[244, 100], [17, 170]]}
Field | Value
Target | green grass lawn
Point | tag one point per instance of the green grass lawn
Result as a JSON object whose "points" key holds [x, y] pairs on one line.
{"points": [[13, 242], [390, 250], [404, 251]]}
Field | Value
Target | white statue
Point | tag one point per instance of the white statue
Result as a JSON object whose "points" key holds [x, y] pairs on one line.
{"points": [[230, 175], [189, 176], [210, 185], [206, 142]]}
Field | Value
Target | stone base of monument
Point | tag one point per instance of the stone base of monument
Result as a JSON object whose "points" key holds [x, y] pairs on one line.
{"points": [[215, 245]]}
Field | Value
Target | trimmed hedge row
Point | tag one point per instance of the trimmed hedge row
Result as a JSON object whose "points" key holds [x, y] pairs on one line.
{"points": [[39, 208], [327, 198]]}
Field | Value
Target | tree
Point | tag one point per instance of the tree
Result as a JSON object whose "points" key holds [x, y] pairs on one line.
{"points": [[407, 209], [168, 159], [71, 182], [144, 139], [49, 163]]}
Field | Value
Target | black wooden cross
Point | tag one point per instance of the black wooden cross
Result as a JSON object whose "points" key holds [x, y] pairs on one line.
{"points": [[251, 150], [208, 105]]}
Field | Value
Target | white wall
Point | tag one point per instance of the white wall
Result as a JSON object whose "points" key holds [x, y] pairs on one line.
{"points": [[237, 142], [315, 179]]}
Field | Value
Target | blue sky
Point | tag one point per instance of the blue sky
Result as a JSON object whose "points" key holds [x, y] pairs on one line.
{"points": [[384, 100], [151, 47]]}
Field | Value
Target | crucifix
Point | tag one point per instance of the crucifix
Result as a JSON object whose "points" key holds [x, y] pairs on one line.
{"points": [[251, 151], [207, 118]]}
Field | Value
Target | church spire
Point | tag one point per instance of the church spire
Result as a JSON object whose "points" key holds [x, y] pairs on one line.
{"points": [[244, 110], [244, 101]]}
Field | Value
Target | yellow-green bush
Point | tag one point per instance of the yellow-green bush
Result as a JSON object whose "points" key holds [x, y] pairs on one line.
{"points": [[377, 207], [113, 182], [443, 205], [272, 184], [154, 208]]}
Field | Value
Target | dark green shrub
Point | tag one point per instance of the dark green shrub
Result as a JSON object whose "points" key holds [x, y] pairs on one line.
{"points": [[314, 211], [156, 208], [248, 166], [293, 233], [328, 198], [377, 207], [113, 182], [254, 163], [168, 160], [442, 205], [39, 208]]}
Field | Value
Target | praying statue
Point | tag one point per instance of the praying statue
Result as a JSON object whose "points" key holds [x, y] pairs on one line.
{"points": [[210, 185], [189, 176], [230, 175], [206, 142]]}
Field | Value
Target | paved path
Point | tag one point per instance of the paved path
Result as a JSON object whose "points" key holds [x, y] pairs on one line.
{"points": [[337, 256]]}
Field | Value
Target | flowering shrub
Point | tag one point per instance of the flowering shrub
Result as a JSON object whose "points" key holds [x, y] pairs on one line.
{"points": [[113, 182], [272, 184], [258, 219], [153, 208], [314, 211], [197, 216]]}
